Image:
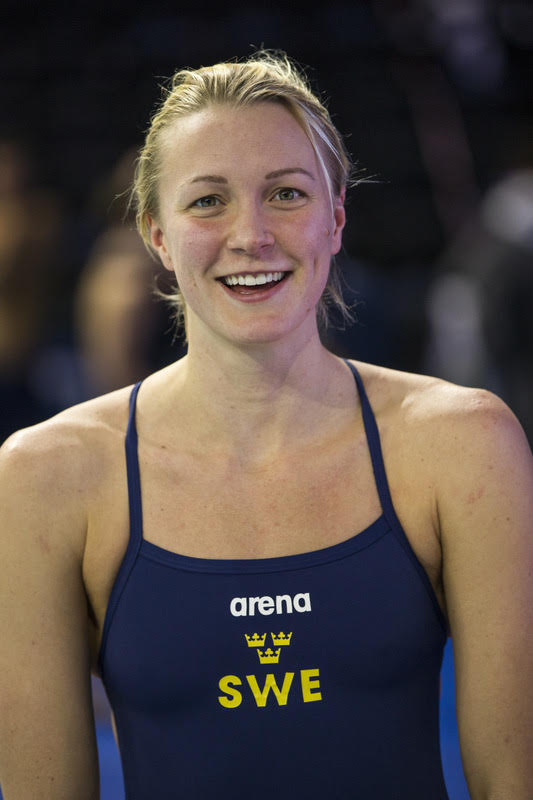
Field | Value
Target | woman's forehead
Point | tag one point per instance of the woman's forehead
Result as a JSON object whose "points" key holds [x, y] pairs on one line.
{"points": [[263, 133]]}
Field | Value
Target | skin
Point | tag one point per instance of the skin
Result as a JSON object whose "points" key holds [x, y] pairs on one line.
{"points": [[261, 416]]}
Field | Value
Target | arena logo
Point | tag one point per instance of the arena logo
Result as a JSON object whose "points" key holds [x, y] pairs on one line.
{"points": [[280, 604]]}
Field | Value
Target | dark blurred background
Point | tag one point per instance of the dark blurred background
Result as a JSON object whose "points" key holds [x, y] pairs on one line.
{"points": [[435, 99]]}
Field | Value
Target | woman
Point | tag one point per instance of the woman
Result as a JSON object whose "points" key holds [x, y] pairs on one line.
{"points": [[267, 608]]}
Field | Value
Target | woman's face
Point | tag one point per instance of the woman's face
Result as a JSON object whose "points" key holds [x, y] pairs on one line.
{"points": [[246, 222]]}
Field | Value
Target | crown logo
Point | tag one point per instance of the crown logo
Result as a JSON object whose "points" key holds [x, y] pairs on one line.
{"points": [[255, 640], [281, 639], [269, 656]]}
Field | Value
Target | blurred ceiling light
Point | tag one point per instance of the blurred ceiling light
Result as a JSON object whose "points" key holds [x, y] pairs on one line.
{"points": [[507, 211]]}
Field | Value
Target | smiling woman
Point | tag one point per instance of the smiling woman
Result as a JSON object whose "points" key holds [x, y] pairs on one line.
{"points": [[263, 79], [254, 221], [362, 513]]}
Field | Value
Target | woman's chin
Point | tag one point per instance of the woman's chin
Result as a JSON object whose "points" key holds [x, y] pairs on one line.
{"points": [[274, 331]]}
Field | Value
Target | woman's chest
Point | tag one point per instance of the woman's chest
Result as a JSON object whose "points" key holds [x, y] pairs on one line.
{"points": [[219, 509], [229, 510]]}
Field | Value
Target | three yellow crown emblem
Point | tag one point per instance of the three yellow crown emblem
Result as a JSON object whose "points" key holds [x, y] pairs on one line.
{"points": [[268, 656]]}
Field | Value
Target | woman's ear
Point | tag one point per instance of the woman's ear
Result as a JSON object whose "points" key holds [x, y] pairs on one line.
{"points": [[339, 220], [158, 241]]}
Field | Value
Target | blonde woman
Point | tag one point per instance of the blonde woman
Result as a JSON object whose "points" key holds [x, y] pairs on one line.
{"points": [[266, 579]]}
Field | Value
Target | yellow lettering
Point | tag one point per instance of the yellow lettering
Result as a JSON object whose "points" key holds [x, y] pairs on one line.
{"points": [[261, 695], [310, 688], [226, 685]]}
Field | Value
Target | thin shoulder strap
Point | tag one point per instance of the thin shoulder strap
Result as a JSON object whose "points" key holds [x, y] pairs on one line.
{"points": [[132, 468], [135, 539], [374, 446]]}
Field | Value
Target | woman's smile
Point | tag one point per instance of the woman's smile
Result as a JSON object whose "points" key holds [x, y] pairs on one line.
{"points": [[249, 287]]}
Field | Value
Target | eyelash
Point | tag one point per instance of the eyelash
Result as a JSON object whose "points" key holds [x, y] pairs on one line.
{"points": [[298, 194]]}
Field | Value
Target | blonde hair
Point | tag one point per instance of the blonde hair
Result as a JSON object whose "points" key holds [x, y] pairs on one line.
{"points": [[266, 76]]}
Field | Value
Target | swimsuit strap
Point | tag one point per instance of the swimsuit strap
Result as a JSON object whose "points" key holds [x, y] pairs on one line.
{"points": [[135, 537], [132, 468], [374, 446]]}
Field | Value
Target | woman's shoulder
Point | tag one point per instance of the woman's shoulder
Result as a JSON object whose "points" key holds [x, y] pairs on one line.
{"points": [[441, 416], [71, 449], [415, 396]]}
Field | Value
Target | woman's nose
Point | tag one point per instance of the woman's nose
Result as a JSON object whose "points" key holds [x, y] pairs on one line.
{"points": [[249, 232]]}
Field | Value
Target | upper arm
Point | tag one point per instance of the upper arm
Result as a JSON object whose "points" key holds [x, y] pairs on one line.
{"points": [[47, 738], [485, 507]]}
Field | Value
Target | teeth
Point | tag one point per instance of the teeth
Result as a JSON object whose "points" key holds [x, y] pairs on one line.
{"points": [[253, 280]]}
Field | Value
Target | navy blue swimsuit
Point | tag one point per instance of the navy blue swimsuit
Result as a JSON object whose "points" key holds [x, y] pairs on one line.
{"points": [[312, 676]]}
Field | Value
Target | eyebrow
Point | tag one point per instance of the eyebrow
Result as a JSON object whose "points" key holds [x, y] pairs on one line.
{"points": [[209, 179], [277, 173]]}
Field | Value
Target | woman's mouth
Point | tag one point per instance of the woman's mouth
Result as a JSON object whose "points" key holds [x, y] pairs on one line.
{"points": [[249, 283]]}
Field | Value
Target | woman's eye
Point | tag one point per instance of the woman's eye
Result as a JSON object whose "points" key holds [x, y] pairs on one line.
{"points": [[209, 201], [288, 194]]}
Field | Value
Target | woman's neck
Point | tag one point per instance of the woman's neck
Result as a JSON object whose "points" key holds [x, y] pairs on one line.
{"points": [[256, 400]]}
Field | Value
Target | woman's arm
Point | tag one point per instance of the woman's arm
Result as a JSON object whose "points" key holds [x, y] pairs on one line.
{"points": [[485, 505], [47, 737]]}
